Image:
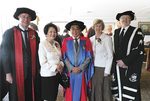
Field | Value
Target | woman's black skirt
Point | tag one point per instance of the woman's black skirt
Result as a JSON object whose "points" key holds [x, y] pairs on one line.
{"points": [[49, 88]]}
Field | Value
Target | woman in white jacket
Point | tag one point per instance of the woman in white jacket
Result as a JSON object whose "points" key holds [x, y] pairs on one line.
{"points": [[51, 64], [103, 56]]}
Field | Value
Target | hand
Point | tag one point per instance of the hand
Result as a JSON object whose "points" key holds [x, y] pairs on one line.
{"points": [[9, 78], [125, 66], [59, 67], [76, 70], [121, 64]]}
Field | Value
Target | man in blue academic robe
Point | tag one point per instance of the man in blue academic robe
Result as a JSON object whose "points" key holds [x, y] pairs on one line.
{"points": [[78, 58]]}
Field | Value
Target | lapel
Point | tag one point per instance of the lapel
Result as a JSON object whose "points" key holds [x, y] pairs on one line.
{"points": [[127, 35], [116, 38], [125, 41]]}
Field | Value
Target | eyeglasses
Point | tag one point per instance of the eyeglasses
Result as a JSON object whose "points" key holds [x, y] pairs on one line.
{"points": [[25, 17]]}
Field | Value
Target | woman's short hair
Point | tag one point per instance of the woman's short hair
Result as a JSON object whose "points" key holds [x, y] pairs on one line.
{"points": [[99, 21], [47, 26]]}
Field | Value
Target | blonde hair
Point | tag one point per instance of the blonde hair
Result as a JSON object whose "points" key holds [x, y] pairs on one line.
{"points": [[98, 21]]}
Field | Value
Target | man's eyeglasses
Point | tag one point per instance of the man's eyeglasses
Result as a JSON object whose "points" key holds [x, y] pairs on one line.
{"points": [[25, 17]]}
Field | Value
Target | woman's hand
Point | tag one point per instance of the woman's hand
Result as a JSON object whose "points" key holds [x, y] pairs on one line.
{"points": [[59, 67]]}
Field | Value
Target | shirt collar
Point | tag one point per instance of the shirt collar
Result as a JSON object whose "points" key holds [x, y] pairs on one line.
{"points": [[125, 29], [75, 38], [22, 28]]}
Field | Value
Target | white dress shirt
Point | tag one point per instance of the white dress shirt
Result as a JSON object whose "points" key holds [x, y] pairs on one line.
{"points": [[125, 29], [103, 52], [49, 56]]}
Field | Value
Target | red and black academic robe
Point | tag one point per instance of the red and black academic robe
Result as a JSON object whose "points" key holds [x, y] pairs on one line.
{"points": [[126, 82], [22, 63]]}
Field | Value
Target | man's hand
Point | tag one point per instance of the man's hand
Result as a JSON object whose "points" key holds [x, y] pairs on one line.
{"points": [[121, 64], [76, 70], [9, 78]]}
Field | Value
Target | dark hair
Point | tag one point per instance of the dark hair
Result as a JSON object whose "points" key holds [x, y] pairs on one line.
{"points": [[47, 26], [65, 31]]}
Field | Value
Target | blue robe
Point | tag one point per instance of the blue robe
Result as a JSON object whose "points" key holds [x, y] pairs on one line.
{"points": [[83, 59]]}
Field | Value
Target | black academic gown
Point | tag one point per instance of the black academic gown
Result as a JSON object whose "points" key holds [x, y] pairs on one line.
{"points": [[3, 83], [8, 54], [131, 52]]}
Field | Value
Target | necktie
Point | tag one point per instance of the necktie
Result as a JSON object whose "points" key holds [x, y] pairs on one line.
{"points": [[121, 36], [26, 38], [76, 44]]}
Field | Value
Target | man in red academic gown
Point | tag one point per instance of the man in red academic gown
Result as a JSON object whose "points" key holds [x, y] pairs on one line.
{"points": [[20, 59]]}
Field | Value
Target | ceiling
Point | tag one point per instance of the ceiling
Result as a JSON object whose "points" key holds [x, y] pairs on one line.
{"points": [[62, 11], [85, 10]]}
